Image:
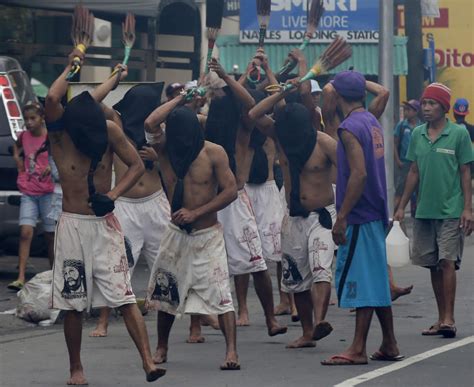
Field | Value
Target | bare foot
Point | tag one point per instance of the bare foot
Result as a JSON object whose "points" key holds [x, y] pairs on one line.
{"points": [[195, 339], [397, 292], [302, 342], [77, 379], [160, 356], [243, 320], [277, 329], [210, 320], [99, 331], [322, 330], [231, 362], [332, 302], [154, 373], [282, 309]]}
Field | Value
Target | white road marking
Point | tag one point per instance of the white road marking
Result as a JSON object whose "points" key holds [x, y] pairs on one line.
{"points": [[404, 363]]}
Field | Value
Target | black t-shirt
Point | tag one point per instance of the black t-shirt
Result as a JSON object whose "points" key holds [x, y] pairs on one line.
{"points": [[470, 129]]}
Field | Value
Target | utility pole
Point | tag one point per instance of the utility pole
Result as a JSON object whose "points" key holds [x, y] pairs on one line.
{"points": [[413, 24], [386, 79]]}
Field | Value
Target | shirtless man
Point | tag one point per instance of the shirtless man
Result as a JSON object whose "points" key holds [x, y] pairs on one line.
{"points": [[88, 236], [306, 159], [228, 124], [143, 211], [264, 195], [333, 118], [190, 274]]}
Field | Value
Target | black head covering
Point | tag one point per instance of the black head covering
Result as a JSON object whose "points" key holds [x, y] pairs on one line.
{"points": [[135, 106], [184, 141], [259, 168], [298, 138], [222, 124], [85, 123]]}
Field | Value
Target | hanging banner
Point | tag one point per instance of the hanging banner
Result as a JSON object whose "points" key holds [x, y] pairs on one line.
{"points": [[356, 20]]}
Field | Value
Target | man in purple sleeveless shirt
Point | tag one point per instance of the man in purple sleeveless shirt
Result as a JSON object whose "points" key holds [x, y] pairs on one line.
{"points": [[362, 217]]}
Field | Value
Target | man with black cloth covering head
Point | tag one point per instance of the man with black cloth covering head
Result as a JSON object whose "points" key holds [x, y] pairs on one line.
{"points": [[83, 144], [143, 211], [228, 125], [306, 159], [198, 183]]}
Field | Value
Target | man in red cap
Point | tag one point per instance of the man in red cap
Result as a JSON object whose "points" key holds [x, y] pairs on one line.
{"points": [[440, 152]]}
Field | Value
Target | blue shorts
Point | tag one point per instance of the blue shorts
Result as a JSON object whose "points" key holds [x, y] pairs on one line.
{"points": [[361, 271], [34, 207]]}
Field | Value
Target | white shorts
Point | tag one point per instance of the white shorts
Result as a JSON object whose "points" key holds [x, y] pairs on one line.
{"points": [[190, 274], [242, 241], [90, 264], [143, 221], [269, 212], [308, 251]]}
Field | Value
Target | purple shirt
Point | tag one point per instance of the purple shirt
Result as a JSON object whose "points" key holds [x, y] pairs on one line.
{"points": [[372, 205]]}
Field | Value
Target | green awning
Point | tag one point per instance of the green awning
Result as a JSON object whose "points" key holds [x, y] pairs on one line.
{"points": [[365, 56]]}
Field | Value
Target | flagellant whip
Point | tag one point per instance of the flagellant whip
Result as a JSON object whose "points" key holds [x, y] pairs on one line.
{"points": [[263, 15], [335, 54], [82, 33], [128, 38], [214, 12], [316, 10]]}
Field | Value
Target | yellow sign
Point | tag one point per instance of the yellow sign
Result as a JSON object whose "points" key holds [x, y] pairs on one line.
{"points": [[453, 35]]}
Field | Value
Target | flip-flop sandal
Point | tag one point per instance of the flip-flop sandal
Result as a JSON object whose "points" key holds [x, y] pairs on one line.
{"points": [[322, 330], [380, 356], [448, 331], [345, 361], [431, 331], [15, 285]]}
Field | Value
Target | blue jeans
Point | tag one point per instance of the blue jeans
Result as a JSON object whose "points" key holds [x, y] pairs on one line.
{"points": [[34, 207]]}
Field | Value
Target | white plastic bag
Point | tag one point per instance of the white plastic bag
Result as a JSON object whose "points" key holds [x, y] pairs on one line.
{"points": [[34, 299]]}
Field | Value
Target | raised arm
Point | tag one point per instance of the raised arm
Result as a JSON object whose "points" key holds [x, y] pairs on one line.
{"points": [[331, 120], [101, 91], [227, 192], [53, 108], [129, 155], [237, 89], [355, 184], [378, 104], [152, 123], [329, 146]]}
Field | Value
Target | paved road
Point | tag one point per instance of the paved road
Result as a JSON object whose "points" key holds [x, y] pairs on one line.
{"points": [[37, 356]]}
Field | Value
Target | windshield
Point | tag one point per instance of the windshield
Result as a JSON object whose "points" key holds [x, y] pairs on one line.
{"points": [[21, 85]]}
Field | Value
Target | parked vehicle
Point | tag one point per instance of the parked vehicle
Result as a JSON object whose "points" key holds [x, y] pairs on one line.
{"points": [[15, 92]]}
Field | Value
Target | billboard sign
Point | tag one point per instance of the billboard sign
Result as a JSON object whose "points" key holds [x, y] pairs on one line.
{"points": [[356, 20]]}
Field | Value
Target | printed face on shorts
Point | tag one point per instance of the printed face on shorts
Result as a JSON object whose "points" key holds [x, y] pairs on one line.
{"points": [[74, 279], [166, 288], [290, 272]]}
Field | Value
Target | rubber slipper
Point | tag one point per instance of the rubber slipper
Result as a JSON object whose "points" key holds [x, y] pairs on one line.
{"points": [[16, 285], [344, 360], [380, 356], [448, 331], [431, 331]]}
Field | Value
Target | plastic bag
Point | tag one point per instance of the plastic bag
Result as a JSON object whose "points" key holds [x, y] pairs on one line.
{"points": [[34, 299]]}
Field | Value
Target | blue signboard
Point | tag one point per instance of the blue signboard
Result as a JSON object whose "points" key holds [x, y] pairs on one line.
{"points": [[356, 20]]}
